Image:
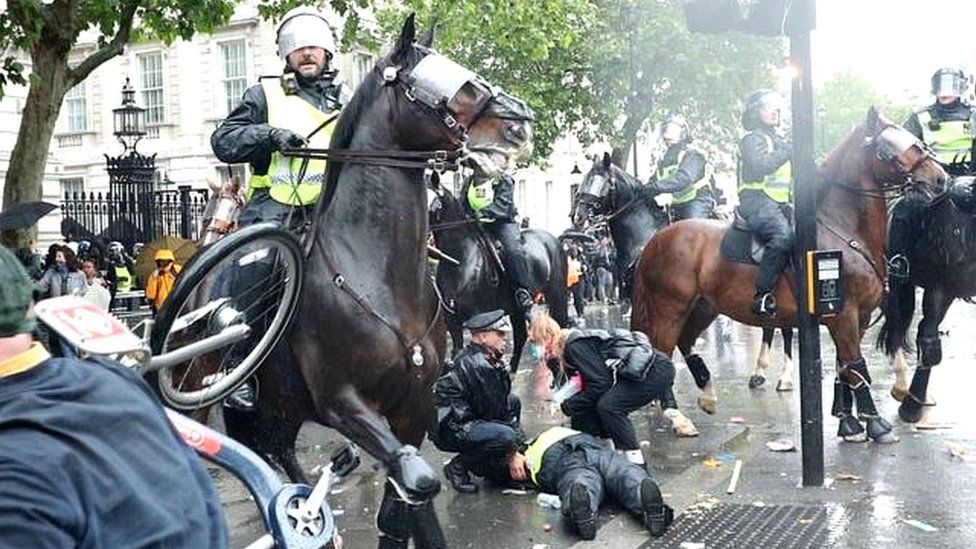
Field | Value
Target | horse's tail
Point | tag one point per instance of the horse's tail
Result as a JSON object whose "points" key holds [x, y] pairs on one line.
{"points": [[897, 308], [557, 294]]}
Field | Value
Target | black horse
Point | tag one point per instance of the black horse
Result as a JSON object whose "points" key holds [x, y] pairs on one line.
{"points": [[367, 341], [478, 283], [943, 262]]}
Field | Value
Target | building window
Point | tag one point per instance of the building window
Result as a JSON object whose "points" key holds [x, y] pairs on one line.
{"points": [[151, 77], [230, 172], [72, 186], [77, 110], [362, 63], [234, 72]]}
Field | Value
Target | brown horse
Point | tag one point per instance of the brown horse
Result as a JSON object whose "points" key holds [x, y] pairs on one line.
{"points": [[684, 282]]}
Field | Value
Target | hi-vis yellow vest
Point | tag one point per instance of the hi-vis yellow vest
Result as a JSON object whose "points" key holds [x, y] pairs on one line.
{"points": [[777, 185], [481, 195], [291, 112], [952, 140], [123, 279], [542, 443], [691, 192]]}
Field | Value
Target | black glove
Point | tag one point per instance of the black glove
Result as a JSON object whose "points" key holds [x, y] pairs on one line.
{"points": [[286, 139]]}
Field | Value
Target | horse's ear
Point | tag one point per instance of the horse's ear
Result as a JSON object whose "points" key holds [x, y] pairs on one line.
{"points": [[606, 160], [407, 37], [427, 40], [874, 120]]}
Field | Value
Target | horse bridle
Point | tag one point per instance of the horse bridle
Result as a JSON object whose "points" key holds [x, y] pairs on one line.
{"points": [[611, 199], [889, 189]]}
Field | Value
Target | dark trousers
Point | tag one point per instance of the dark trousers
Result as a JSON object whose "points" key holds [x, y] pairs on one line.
{"points": [[698, 208], [578, 301], [606, 415], [513, 256], [485, 446], [601, 471], [769, 222], [263, 208], [906, 215]]}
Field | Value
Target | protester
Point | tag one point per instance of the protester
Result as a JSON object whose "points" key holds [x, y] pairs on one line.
{"points": [[162, 279], [87, 455]]}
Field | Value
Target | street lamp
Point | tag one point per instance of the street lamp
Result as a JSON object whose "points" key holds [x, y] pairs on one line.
{"points": [[133, 211]]}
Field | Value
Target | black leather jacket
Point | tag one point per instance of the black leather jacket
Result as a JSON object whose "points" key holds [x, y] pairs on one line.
{"points": [[476, 388], [756, 158], [245, 135], [689, 172]]}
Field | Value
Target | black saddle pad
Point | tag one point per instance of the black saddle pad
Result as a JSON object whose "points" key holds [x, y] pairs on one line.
{"points": [[737, 245]]}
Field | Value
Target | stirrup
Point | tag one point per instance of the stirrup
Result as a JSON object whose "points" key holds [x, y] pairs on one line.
{"points": [[899, 267]]}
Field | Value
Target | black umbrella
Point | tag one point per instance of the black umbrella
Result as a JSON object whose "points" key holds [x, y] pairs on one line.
{"points": [[23, 215]]}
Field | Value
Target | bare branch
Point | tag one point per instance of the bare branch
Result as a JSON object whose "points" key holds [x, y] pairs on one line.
{"points": [[110, 50]]}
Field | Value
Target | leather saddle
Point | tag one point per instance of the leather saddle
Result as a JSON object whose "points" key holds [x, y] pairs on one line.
{"points": [[739, 243]]}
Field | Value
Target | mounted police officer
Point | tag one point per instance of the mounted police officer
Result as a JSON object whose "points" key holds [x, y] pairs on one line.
{"points": [[477, 414], [492, 201], [682, 172], [946, 127], [289, 111], [293, 110], [765, 182]]}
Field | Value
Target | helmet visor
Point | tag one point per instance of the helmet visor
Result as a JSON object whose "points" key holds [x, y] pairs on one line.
{"points": [[303, 31], [948, 84], [672, 132]]}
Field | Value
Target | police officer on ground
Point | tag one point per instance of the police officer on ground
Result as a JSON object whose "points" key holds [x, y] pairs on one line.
{"points": [[765, 181], [477, 414], [620, 370], [584, 473], [298, 108], [492, 201], [946, 127], [295, 109], [682, 172]]}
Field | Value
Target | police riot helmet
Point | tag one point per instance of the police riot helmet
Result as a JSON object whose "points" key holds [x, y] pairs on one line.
{"points": [[675, 130], [301, 28], [115, 248], [758, 101], [948, 82]]}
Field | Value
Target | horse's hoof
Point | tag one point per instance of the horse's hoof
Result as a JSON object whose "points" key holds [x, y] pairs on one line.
{"points": [[862, 437], [887, 438], [784, 385], [414, 474], [929, 401], [899, 394], [851, 430], [708, 404], [756, 381], [910, 411]]}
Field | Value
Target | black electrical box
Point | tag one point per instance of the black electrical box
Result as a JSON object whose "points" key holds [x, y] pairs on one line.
{"points": [[825, 289]]}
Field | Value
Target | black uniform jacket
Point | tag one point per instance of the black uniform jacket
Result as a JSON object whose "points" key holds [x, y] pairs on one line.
{"points": [[477, 388]]}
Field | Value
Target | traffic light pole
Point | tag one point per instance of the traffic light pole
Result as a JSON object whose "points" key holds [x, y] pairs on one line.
{"points": [[804, 175]]}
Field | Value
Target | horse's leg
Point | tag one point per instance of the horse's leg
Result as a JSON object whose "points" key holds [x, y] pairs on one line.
{"points": [[785, 381], [702, 315], [898, 307], [519, 335], [899, 390], [935, 304], [853, 372], [758, 378]]}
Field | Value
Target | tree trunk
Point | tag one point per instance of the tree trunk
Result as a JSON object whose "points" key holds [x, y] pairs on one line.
{"points": [[50, 81]]}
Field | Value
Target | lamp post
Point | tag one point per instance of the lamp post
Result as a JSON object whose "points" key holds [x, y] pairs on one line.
{"points": [[630, 13], [131, 176]]}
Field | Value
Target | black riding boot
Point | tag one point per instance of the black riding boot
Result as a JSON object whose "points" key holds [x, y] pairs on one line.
{"points": [[459, 477]]}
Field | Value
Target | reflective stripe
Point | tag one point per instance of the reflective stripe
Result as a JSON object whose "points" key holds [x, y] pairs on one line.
{"points": [[952, 139], [291, 112], [691, 192], [542, 443], [123, 279], [777, 185]]}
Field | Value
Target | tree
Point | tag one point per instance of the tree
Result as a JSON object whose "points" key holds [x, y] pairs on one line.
{"points": [[48, 30], [573, 62], [842, 103]]}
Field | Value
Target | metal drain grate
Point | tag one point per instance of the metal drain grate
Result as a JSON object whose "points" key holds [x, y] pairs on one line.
{"points": [[735, 526]]}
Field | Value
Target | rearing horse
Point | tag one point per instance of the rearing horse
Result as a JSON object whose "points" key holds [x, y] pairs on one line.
{"points": [[367, 340], [684, 282]]}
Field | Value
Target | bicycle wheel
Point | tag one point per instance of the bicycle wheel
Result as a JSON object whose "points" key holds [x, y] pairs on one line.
{"points": [[252, 276]]}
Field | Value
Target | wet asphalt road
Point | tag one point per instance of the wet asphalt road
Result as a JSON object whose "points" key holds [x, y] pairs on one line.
{"points": [[914, 479]]}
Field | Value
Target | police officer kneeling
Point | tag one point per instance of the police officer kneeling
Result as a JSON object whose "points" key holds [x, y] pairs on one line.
{"points": [[477, 415], [582, 472]]}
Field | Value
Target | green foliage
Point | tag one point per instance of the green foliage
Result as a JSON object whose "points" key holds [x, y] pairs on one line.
{"points": [[843, 102], [573, 62]]}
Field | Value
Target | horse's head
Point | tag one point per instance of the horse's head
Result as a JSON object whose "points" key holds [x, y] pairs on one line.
{"points": [[596, 193], [493, 125], [901, 160]]}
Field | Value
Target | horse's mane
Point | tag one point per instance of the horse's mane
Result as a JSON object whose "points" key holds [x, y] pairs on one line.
{"points": [[625, 176]]}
